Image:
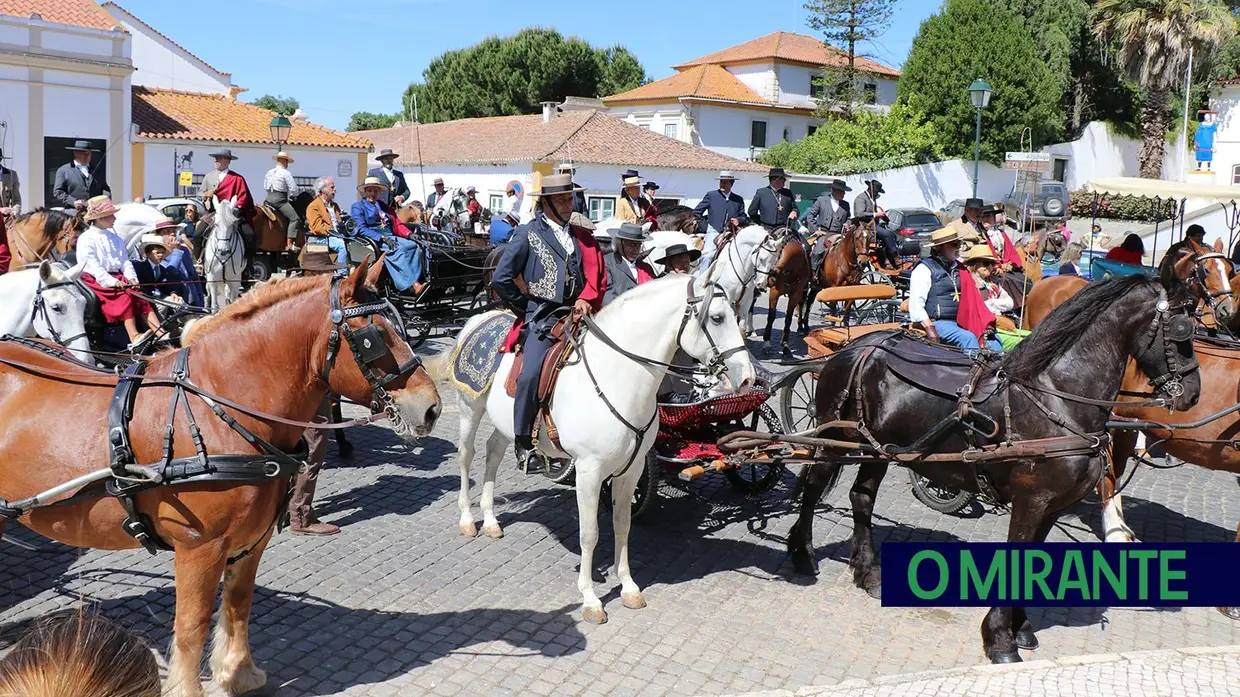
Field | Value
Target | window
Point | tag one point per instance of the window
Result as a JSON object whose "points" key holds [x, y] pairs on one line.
{"points": [[815, 87], [601, 207], [55, 154], [1235, 174], [496, 202], [810, 130], [305, 183], [871, 93], [757, 134], [1061, 169], [669, 130]]}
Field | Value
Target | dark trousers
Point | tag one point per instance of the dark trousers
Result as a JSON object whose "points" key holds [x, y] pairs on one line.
{"points": [[301, 510], [279, 200], [889, 244], [537, 343]]}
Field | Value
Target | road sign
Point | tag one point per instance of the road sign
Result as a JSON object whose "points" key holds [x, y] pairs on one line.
{"points": [[186, 179], [1029, 157], [1029, 161]]}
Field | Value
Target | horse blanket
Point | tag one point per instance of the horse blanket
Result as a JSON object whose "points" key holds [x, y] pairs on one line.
{"points": [[475, 360]]}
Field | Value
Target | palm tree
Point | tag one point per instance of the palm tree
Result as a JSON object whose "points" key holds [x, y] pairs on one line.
{"points": [[1153, 39]]}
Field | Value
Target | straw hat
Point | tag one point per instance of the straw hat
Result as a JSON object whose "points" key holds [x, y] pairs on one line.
{"points": [[979, 252], [166, 223], [99, 207], [372, 182], [150, 239], [283, 156], [944, 236], [556, 184]]}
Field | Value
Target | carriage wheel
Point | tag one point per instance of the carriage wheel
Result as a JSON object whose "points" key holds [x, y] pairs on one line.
{"points": [[941, 498], [417, 330], [647, 489], [796, 400], [568, 476], [754, 479], [871, 276], [259, 270]]}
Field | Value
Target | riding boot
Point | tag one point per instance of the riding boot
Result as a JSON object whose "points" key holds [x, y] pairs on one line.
{"points": [[528, 459]]}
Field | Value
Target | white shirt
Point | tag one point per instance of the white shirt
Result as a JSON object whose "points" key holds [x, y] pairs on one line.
{"points": [[512, 204], [102, 254], [331, 213], [996, 241], [918, 291], [562, 236], [391, 176], [84, 169], [632, 267], [278, 179]]}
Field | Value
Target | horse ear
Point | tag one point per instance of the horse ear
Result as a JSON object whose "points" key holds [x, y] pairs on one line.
{"points": [[45, 271], [1218, 244], [1183, 267], [356, 282], [75, 273], [376, 270]]}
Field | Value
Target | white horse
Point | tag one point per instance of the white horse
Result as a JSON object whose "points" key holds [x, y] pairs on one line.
{"points": [[658, 243], [223, 257], [650, 322], [133, 220], [742, 268], [46, 302], [451, 211]]}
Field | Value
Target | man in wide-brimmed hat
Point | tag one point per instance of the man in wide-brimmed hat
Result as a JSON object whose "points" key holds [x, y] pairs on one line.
{"points": [[406, 259], [10, 190], [154, 278], [719, 211], [433, 198], [632, 207], [281, 189], [969, 226], [773, 206], [108, 272], [562, 267], [935, 294], [677, 258], [398, 191], [826, 217], [223, 183], [76, 182], [625, 267]]}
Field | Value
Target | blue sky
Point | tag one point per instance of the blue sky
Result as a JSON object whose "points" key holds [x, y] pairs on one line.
{"points": [[341, 56]]}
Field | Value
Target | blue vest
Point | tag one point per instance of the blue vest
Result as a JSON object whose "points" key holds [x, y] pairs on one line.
{"points": [[943, 302]]}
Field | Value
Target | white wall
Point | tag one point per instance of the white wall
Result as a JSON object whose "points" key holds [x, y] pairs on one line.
{"points": [[160, 63], [1226, 136], [726, 129], [489, 179], [655, 117], [1100, 153], [15, 113], [759, 77], [931, 186], [794, 84]]}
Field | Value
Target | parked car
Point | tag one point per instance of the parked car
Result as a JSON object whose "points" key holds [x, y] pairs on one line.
{"points": [[951, 212], [175, 207], [1048, 202], [914, 225]]}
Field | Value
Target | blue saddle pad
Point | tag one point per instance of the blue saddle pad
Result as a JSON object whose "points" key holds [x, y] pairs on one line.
{"points": [[477, 357]]}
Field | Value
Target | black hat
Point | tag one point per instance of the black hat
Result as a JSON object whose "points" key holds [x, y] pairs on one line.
{"points": [[840, 185], [81, 145], [876, 184], [225, 152], [629, 231], [629, 173], [673, 250], [650, 185], [386, 152], [974, 203], [776, 173]]}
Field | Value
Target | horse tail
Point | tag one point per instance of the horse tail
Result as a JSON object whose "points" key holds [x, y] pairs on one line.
{"points": [[439, 366]]}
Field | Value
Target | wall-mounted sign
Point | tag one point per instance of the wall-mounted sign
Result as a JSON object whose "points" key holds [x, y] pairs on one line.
{"points": [[344, 168], [186, 179]]}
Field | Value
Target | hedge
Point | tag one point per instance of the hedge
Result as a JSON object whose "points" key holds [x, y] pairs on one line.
{"points": [[1135, 208]]}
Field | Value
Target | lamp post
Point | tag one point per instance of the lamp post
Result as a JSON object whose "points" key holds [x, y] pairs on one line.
{"points": [[979, 96], [280, 127]]}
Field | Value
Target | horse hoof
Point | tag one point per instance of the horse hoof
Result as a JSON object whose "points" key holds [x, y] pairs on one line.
{"points": [[633, 601], [469, 529], [1004, 657], [1026, 639], [875, 591], [594, 615], [493, 531], [1232, 613], [805, 565]]}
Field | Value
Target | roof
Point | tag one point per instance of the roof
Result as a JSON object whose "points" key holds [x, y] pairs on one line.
{"points": [[177, 115], [787, 46], [135, 18], [79, 13], [708, 81], [581, 136]]}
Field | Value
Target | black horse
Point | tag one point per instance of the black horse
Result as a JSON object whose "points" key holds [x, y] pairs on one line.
{"points": [[903, 392], [679, 218]]}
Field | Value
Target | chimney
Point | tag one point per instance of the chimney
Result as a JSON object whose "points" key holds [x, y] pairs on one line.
{"points": [[299, 114], [549, 110]]}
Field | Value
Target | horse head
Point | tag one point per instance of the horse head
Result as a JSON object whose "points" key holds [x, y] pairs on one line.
{"points": [[712, 335], [225, 213], [59, 312], [1202, 272]]}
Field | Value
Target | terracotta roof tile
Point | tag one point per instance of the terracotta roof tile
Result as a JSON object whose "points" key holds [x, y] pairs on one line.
{"points": [[583, 136], [163, 113], [783, 45], [135, 17], [707, 81], [79, 13]]}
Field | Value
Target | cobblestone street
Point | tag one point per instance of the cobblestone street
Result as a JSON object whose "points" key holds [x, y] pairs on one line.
{"points": [[401, 603]]}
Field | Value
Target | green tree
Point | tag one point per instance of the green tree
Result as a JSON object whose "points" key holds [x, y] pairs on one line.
{"points": [[512, 75], [281, 105], [869, 143], [999, 49], [366, 121], [1151, 40], [844, 24]]}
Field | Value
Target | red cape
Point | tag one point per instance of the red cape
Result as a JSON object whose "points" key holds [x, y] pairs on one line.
{"points": [[973, 315], [234, 184], [1009, 251], [5, 257]]}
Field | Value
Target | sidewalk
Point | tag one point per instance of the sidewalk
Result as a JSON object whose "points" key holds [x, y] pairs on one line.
{"points": [[1205, 672]]}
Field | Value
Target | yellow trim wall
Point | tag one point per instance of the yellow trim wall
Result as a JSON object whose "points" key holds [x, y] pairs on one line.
{"points": [[137, 170], [361, 167]]}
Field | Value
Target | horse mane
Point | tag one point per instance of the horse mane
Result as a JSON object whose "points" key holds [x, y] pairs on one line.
{"points": [[1066, 325], [257, 299], [52, 224]]}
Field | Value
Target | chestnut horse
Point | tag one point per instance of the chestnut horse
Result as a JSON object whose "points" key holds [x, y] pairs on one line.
{"points": [[275, 350], [1208, 445], [840, 267], [790, 277], [41, 234]]}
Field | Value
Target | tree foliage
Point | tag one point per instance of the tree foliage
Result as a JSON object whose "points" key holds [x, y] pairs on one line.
{"points": [[844, 24], [869, 143], [281, 105], [367, 121], [973, 39], [512, 75]]}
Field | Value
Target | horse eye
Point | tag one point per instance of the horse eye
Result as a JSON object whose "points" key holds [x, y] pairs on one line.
{"points": [[716, 318], [58, 308]]}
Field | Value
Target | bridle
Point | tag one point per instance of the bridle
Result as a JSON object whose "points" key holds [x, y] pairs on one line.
{"points": [[1172, 327], [1199, 281], [368, 348], [40, 311], [51, 251], [780, 239]]}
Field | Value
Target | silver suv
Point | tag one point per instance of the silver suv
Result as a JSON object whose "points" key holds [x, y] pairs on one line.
{"points": [[1047, 202]]}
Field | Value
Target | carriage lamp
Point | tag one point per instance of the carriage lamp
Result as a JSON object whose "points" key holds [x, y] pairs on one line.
{"points": [[979, 96], [280, 127]]}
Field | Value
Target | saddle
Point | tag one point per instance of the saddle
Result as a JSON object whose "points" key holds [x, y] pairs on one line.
{"points": [[271, 213], [940, 370], [557, 356]]}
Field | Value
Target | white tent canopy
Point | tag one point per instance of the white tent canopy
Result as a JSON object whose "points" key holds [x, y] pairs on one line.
{"points": [[1134, 186]]}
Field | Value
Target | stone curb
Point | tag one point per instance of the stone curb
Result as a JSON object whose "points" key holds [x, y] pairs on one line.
{"points": [[851, 684]]}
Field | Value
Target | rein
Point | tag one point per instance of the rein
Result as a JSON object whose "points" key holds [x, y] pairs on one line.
{"points": [[39, 310]]}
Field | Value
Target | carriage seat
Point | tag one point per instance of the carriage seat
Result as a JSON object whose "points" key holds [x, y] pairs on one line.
{"points": [[837, 294], [939, 369]]}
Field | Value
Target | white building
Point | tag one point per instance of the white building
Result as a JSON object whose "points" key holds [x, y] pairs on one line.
{"points": [[488, 153], [744, 99], [65, 70], [1226, 164]]}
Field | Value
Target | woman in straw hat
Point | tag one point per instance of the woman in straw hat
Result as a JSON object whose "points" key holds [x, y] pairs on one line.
{"points": [[107, 271], [943, 298], [406, 258]]}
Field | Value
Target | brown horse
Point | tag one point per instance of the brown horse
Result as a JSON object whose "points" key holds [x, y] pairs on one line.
{"points": [[841, 266], [1208, 445], [278, 350], [41, 234], [679, 219], [790, 277]]}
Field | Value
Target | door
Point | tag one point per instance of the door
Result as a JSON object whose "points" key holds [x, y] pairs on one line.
{"points": [[56, 153], [1060, 169]]}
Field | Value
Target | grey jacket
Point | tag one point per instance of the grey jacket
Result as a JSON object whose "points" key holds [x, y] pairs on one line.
{"points": [[10, 189], [863, 206], [70, 186]]}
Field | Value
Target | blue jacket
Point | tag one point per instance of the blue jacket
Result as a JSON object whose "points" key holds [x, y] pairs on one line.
{"points": [[369, 219], [719, 210], [943, 301], [553, 279]]}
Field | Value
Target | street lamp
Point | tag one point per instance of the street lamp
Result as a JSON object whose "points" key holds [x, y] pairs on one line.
{"points": [[280, 126], [979, 96]]}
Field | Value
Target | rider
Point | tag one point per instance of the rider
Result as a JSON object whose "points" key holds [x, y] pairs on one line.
{"points": [[580, 206], [405, 259], [935, 297], [773, 205], [436, 194], [648, 193], [562, 267], [223, 183], [678, 258], [981, 263], [473, 207], [1130, 252], [719, 211], [632, 206], [398, 190], [281, 189], [76, 181], [625, 268], [181, 258], [969, 226], [108, 272], [323, 218], [827, 217]]}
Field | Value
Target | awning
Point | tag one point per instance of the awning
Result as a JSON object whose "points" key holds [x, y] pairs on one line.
{"points": [[1134, 186]]}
